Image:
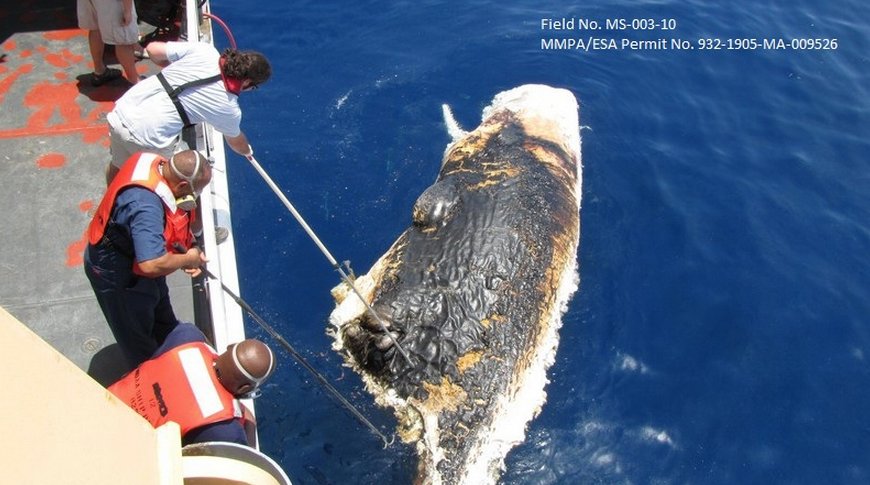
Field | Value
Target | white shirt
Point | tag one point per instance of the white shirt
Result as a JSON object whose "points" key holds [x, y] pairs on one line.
{"points": [[146, 110]]}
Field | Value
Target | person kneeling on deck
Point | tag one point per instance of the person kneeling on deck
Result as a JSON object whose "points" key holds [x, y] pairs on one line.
{"points": [[134, 240], [189, 383]]}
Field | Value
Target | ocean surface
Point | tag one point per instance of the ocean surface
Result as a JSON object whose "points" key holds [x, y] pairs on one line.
{"points": [[721, 333]]}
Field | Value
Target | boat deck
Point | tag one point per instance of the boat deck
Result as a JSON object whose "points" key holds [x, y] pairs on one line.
{"points": [[54, 144]]}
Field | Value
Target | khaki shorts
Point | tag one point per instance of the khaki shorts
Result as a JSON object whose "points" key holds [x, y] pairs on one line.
{"points": [[105, 16], [122, 145]]}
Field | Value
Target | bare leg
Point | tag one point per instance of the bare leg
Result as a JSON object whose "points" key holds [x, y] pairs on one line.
{"points": [[124, 53], [95, 43]]}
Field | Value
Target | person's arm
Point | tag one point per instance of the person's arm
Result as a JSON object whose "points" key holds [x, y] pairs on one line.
{"points": [[171, 262], [157, 53], [240, 144], [142, 211]]}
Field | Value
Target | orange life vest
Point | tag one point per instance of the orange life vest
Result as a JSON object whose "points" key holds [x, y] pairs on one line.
{"points": [[142, 170], [181, 386]]}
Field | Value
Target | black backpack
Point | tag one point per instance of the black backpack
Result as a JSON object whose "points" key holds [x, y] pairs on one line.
{"points": [[159, 13]]}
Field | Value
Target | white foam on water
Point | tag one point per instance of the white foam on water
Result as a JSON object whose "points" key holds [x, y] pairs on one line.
{"points": [[649, 433], [631, 364], [340, 102]]}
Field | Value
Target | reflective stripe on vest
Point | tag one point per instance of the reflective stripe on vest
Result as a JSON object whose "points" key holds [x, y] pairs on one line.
{"points": [[197, 373]]}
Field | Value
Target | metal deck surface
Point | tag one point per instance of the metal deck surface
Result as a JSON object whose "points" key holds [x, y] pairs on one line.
{"points": [[54, 145]]}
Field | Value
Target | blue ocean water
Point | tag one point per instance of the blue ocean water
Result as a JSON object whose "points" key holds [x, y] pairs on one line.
{"points": [[720, 333]]}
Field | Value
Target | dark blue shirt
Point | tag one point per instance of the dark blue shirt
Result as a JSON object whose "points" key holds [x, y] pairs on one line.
{"points": [[135, 228], [139, 217], [141, 211], [183, 333]]}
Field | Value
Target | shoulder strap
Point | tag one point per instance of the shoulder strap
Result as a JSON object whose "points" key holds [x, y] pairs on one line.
{"points": [[175, 92]]}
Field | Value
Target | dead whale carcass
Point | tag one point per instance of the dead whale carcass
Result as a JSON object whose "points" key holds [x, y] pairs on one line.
{"points": [[475, 288]]}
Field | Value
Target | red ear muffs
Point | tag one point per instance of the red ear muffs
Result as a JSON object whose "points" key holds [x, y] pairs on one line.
{"points": [[232, 84]]}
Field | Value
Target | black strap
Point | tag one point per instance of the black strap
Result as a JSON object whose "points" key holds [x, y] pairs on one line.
{"points": [[175, 92]]}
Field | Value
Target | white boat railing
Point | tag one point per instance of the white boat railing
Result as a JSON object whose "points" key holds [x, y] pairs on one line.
{"points": [[225, 315]]}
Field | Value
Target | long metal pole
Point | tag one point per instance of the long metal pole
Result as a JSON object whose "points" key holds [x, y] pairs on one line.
{"points": [[326, 253]]}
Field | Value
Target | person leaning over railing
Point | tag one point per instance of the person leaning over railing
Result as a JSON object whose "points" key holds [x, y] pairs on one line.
{"points": [[196, 84]]}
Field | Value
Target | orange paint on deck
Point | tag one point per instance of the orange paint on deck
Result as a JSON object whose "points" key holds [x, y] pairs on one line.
{"points": [[64, 35], [9, 80], [90, 134], [52, 107], [48, 100], [63, 59], [51, 160], [75, 252]]}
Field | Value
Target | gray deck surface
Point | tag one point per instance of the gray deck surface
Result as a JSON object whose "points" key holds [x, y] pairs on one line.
{"points": [[54, 145]]}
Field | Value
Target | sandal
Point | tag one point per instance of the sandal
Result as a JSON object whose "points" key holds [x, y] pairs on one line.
{"points": [[108, 75]]}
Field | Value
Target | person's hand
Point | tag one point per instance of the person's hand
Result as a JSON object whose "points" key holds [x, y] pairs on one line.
{"points": [[195, 269], [127, 17], [250, 153]]}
